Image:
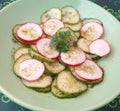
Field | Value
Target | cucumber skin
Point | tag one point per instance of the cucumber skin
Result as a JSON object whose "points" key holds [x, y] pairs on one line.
{"points": [[37, 56], [21, 58], [43, 90]]}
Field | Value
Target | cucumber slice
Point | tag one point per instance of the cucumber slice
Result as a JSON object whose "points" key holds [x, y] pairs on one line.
{"points": [[74, 27], [44, 90], [84, 44], [77, 33], [51, 13], [86, 20], [37, 56], [16, 65], [93, 57], [56, 92], [43, 82], [70, 15], [19, 52], [14, 31], [54, 67], [33, 47], [69, 85]]}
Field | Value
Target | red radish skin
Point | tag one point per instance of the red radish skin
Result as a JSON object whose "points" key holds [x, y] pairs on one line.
{"points": [[51, 26], [31, 69], [29, 32], [73, 57], [100, 47], [46, 50], [89, 71], [92, 30]]}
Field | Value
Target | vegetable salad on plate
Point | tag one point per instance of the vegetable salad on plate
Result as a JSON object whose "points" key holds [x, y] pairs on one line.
{"points": [[60, 54]]}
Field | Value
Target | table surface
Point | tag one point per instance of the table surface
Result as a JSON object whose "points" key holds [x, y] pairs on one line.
{"points": [[113, 7]]}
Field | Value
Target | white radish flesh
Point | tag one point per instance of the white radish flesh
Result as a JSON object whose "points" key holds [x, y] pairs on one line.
{"points": [[31, 69], [100, 47], [89, 70], [45, 49]]}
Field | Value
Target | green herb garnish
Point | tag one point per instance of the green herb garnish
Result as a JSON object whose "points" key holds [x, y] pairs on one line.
{"points": [[61, 41]]}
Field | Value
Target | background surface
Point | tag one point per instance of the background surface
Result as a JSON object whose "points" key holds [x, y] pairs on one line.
{"points": [[113, 7]]}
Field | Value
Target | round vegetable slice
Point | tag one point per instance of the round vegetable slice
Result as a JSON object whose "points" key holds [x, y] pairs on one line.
{"points": [[70, 15], [19, 52], [74, 57], [29, 32], [92, 30], [51, 26], [70, 85], [45, 49], [84, 44], [31, 69], [89, 70], [43, 82], [51, 13], [100, 47]]}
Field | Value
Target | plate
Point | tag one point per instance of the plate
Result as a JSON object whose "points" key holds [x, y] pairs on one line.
{"points": [[30, 10]]}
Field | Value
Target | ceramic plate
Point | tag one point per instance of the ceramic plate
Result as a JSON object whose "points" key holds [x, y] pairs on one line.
{"points": [[30, 10]]}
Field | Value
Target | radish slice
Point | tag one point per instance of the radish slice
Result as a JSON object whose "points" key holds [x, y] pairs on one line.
{"points": [[89, 70], [74, 57], [51, 26], [45, 49], [92, 30], [29, 32], [100, 47], [31, 69]]}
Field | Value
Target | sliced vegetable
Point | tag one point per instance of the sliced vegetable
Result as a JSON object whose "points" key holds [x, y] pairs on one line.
{"points": [[87, 20], [14, 30], [16, 66], [84, 80], [92, 30], [74, 57], [51, 26], [54, 67], [74, 27], [84, 44], [43, 82], [69, 85], [29, 32], [100, 47], [51, 13], [19, 52], [37, 56], [70, 15], [45, 49], [55, 91], [31, 69], [89, 71]]}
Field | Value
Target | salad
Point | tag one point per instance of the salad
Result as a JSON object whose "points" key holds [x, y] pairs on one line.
{"points": [[60, 54]]}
